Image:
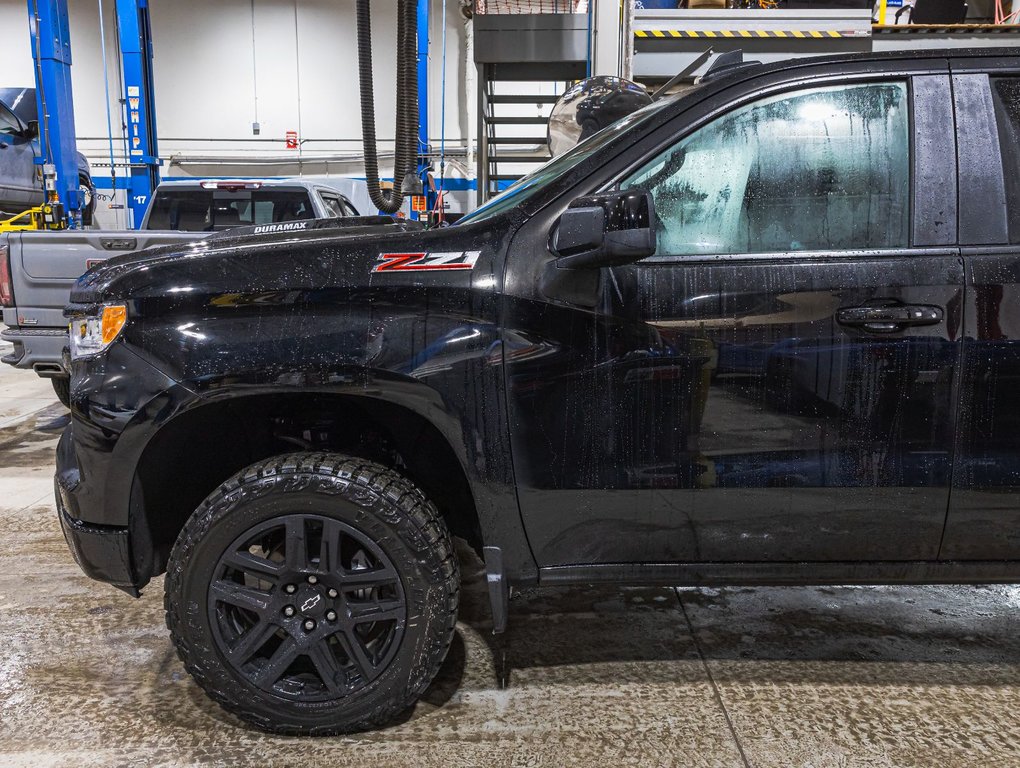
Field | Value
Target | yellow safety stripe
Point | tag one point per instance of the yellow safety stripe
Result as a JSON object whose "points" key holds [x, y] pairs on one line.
{"points": [[676, 33], [818, 34]]}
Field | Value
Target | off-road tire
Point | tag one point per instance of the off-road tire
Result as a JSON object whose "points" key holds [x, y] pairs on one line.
{"points": [[379, 502], [62, 389]]}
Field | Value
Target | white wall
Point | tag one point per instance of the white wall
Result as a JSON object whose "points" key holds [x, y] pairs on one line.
{"points": [[212, 58], [15, 49]]}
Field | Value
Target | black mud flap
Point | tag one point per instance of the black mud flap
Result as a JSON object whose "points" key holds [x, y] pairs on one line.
{"points": [[499, 592]]}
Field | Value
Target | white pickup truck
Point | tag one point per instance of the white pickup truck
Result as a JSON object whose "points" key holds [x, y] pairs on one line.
{"points": [[213, 205], [37, 270]]}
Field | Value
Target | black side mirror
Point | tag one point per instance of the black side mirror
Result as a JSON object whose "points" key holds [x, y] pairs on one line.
{"points": [[32, 129], [606, 230]]}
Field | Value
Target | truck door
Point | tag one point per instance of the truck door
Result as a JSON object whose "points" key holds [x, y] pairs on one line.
{"points": [[777, 383], [984, 516], [17, 163]]}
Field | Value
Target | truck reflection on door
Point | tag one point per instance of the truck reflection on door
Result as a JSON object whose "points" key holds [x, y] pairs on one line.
{"points": [[717, 411]]}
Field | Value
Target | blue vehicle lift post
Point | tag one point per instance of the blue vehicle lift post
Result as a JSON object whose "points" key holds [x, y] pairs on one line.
{"points": [[424, 160], [135, 38], [51, 52]]}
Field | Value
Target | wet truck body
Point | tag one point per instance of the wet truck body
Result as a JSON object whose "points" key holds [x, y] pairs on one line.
{"points": [[764, 333]]}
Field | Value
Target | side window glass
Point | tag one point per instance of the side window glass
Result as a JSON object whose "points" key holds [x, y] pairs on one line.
{"points": [[333, 206], [8, 123], [820, 169], [1006, 97]]}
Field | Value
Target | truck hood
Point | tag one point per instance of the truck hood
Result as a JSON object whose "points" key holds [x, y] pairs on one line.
{"points": [[306, 260]]}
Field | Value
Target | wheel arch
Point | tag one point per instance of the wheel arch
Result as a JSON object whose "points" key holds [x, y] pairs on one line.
{"points": [[238, 430]]}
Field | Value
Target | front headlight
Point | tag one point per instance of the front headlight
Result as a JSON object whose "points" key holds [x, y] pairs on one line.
{"points": [[92, 334]]}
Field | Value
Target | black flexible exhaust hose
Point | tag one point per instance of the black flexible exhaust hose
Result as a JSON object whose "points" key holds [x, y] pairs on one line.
{"points": [[407, 91], [406, 136]]}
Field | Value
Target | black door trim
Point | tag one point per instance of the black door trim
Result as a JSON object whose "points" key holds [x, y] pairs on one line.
{"points": [[983, 218], [934, 163], [781, 574]]}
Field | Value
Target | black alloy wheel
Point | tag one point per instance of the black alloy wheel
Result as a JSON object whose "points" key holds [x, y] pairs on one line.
{"points": [[313, 593], [306, 607]]}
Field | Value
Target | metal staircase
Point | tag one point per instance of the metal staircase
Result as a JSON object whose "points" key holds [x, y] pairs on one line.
{"points": [[525, 61], [507, 149]]}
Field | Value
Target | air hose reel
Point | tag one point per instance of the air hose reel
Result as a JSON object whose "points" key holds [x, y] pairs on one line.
{"points": [[405, 163]]}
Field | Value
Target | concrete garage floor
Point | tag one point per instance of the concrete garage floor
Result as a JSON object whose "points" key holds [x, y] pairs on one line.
{"points": [[652, 677]]}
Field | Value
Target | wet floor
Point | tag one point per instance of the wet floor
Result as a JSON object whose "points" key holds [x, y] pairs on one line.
{"points": [[810, 677]]}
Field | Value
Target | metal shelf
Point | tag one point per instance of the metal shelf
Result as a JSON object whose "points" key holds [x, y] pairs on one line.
{"points": [[667, 41], [753, 22], [946, 29]]}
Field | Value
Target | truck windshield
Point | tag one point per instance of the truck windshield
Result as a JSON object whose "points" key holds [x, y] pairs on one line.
{"points": [[528, 186], [213, 210]]}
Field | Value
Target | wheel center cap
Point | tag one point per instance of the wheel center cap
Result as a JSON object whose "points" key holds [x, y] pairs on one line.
{"points": [[311, 602]]}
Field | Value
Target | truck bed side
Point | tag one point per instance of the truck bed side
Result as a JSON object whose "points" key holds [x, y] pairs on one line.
{"points": [[44, 266]]}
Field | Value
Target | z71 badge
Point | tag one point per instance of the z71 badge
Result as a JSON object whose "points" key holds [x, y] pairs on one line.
{"points": [[424, 262]]}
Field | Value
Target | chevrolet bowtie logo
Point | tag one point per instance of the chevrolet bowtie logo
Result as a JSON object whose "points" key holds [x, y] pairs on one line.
{"points": [[310, 603]]}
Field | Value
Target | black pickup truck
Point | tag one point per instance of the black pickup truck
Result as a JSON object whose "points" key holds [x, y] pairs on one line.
{"points": [[762, 333]]}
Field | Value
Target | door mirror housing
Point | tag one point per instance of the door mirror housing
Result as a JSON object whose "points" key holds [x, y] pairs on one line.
{"points": [[32, 130], [606, 230]]}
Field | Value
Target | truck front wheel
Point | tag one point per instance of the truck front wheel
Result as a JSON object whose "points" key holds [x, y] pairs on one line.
{"points": [[62, 389], [313, 593]]}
